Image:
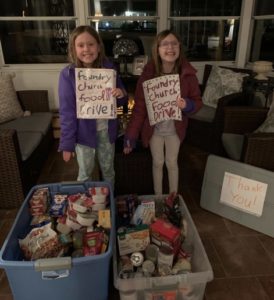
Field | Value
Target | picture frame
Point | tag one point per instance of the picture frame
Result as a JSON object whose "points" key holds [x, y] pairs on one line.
{"points": [[138, 64]]}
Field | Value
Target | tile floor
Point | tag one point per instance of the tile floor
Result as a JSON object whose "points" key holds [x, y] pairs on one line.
{"points": [[242, 259]]}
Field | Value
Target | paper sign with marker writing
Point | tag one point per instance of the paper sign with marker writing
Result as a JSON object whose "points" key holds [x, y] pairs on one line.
{"points": [[160, 95], [243, 193], [93, 93]]}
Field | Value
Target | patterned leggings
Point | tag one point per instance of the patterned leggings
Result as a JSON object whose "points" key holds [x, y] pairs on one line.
{"points": [[105, 153]]}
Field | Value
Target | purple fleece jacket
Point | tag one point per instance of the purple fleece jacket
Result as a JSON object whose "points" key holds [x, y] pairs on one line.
{"points": [[80, 131]]}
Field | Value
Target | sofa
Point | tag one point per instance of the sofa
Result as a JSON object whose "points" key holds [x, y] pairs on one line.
{"points": [[221, 87], [26, 138], [249, 135]]}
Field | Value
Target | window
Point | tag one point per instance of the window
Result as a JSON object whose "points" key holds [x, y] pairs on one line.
{"points": [[123, 8], [263, 33], [134, 19], [35, 41], [205, 8], [34, 31], [36, 8], [209, 29], [264, 7]]}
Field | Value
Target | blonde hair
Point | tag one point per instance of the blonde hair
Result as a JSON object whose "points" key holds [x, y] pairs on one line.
{"points": [[71, 46], [155, 53]]}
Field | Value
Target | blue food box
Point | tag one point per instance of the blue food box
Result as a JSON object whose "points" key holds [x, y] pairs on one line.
{"points": [[67, 278]]}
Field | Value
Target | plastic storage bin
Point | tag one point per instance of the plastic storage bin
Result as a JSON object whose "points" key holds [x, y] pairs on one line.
{"points": [[56, 278], [189, 286]]}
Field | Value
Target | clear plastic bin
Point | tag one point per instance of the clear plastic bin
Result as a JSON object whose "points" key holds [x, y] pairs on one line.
{"points": [[190, 286]]}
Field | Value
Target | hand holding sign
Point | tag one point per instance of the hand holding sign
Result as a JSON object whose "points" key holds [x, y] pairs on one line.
{"points": [[127, 148], [117, 93], [181, 102]]}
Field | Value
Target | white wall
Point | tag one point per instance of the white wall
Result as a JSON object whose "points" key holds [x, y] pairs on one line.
{"points": [[46, 77], [35, 78]]}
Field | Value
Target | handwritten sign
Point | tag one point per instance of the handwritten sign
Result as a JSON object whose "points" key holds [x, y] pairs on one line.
{"points": [[160, 95], [243, 193], [93, 93]]}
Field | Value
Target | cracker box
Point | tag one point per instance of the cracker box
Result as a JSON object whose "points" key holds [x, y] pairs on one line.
{"points": [[133, 239]]}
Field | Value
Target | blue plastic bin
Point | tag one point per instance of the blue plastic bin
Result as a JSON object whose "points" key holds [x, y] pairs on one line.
{"points": [[84, 278]]}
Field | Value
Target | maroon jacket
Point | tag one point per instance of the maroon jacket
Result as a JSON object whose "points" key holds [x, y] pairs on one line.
{"points": [[139, 122]]}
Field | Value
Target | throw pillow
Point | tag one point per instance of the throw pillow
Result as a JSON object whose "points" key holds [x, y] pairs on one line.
{"points": [[10, 107], [222, 82], [213, 90], [268, 124]]}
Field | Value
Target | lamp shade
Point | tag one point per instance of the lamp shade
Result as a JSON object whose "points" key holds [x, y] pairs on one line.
{"points": [[125, 47], [262, 68]]}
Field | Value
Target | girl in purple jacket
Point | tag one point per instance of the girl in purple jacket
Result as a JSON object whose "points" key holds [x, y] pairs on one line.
{"points": [[87, 137], [164, 138]]}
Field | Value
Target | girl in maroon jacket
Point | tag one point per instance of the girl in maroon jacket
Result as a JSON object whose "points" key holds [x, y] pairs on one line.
{"points": [[164, 138]]}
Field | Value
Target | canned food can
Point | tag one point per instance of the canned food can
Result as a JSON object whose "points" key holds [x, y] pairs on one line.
{"points": [[77, 239], [125, 267], [151, 253], [137, 259], [148, 267], [164, 270], [165, 256], [182, 266]]}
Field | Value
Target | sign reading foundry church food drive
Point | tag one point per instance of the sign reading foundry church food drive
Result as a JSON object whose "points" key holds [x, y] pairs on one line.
{"points": [[93, 93], [160, 95]]}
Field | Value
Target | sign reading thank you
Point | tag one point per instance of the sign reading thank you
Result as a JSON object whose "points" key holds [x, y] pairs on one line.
{"points": [[243, 193]]}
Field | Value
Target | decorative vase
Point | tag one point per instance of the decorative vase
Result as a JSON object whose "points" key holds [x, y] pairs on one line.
{"points": [[262, 68], [125, 49]]}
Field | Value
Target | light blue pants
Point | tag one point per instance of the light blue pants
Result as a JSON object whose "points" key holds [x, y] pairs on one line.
{"points": [[165, 149], [105, 153]]}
